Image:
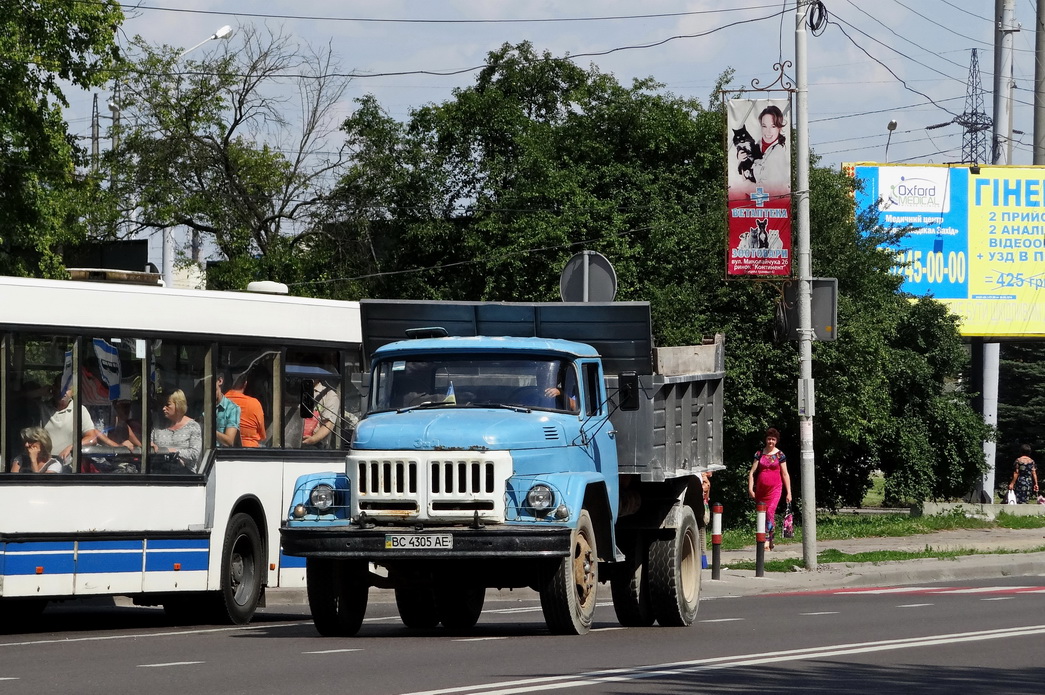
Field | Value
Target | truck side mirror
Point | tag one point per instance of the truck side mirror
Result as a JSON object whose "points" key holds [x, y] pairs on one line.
{"points": [[628, 394]]}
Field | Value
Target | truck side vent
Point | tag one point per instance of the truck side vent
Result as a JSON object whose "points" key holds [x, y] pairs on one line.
{"points": [[551, 433]]}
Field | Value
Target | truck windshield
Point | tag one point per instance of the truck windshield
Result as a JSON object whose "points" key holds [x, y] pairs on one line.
{"points": [[475, 380]]}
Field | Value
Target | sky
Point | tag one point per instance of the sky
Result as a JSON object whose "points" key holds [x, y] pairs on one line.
{"points": [[868, 63]]}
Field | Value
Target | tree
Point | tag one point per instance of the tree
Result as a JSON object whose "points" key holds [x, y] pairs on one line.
{"points": [[47, 45], [486, 195], [208, 144]]}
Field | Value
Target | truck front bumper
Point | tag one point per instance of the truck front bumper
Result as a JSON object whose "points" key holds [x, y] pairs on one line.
{"points": [[369, 544]]}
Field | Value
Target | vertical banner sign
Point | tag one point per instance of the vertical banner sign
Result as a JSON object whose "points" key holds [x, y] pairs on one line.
{"points": [[758, 156]]}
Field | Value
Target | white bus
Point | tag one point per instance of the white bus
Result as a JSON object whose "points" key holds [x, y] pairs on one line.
{"points": [[147, 502]]}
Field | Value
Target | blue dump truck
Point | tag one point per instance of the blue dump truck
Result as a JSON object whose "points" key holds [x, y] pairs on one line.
{"points": [[509, 445]]}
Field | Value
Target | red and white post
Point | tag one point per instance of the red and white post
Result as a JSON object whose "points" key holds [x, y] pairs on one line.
{"points": [[716, 541], [760, 539]]}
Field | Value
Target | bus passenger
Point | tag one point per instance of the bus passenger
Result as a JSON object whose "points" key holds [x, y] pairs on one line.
{"points": [[126, 430], [227, 416], [58, 421], [316, 430], [182, 435], [37, 457], [252, 415]]}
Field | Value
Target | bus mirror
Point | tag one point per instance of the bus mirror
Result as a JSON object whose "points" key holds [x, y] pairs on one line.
{"points": [[628, 394], [308, 399]]}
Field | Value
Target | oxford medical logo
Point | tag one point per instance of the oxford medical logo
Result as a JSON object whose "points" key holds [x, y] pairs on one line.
{"points": [[914, 189]]}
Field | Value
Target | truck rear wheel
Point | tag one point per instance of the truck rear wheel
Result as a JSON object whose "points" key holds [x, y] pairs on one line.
{"points": [[674, 573], [568, 593], [461, 606], [337, 595], [417, 607], [630, 587]]}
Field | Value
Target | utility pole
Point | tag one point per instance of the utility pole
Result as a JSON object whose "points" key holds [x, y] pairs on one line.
{"points": [[1039, 84], [806, 394], [1001, 154]]}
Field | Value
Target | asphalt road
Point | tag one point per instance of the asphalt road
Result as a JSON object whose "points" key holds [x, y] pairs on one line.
{"points": [[970, 636]]}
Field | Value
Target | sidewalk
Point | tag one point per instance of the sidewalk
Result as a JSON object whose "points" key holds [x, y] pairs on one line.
{"points": [[838, 575], [864, 574]]}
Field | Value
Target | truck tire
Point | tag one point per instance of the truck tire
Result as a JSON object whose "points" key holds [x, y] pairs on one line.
{"points": [[630, 588], [461, 606], [242, 571], [417, 607], [568, 592], [674, 573], [337, 595], [20, 614]]}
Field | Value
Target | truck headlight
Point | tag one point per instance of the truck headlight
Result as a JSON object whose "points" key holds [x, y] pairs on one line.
{"points": [[322, 497], [540, 498]]}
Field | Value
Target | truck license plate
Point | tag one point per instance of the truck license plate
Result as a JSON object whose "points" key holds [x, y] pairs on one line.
{"points": [[435, 541]]}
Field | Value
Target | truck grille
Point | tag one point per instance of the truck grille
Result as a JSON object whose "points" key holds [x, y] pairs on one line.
{"points": [[435, 489]]}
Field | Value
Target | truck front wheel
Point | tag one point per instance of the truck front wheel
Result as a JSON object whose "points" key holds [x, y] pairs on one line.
{"points": [[674, 573], [417, 607], [461, 606], [568, 592], [337, 595]]}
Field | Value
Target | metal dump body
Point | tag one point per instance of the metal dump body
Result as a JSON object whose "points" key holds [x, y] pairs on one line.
{"points": [[676, 431]]}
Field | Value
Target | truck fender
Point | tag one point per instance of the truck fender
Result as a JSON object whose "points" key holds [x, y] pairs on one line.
{"points": [[578, 490]]}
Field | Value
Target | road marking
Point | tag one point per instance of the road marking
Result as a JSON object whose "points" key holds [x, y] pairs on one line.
{"points": [[998, 598], [616, 676], [171, 663], [915, 605], [479, 639], [333, 651], [821, 613], [177, 633], [721, 620]]}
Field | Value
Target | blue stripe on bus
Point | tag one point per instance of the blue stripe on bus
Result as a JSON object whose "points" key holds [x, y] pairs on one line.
{"points": [[179, 544], [186, 559], [48, 557], [106, 562], [111, 545]]}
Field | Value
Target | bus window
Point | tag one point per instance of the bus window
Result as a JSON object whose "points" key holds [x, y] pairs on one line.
{"points": [[251, 389], [175, 398], [312, 410], [35, 364], [110, 385]]}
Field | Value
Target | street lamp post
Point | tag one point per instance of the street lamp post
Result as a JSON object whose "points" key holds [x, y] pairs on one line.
{"points": [[168, 236], [891, 127]]}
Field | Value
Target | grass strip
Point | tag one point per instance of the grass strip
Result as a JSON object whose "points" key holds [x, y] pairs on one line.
{"points": [[874, 557]]}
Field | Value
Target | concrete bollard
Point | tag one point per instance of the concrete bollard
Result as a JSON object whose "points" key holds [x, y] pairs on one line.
{"points": [[716, 541], [760, 540]]}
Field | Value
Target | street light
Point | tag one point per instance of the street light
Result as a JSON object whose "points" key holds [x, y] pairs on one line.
{"points": [[891, 127], [223, 33], [168, 238]]}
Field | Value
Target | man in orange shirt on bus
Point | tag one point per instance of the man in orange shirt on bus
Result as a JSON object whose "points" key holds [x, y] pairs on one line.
{"points": [[252, 415]]}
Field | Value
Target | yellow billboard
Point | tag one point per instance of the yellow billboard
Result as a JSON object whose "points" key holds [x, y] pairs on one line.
{"points": [[976, 239]]}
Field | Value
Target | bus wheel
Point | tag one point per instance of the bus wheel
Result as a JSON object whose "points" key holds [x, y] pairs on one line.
{"points": [[568, 592], [674, 572], [416, 606], [461, 606], [630, 587], [242, 569], [337, 595]]}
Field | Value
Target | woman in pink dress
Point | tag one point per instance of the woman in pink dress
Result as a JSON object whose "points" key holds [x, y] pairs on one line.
{"points": [[767, 477]]}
